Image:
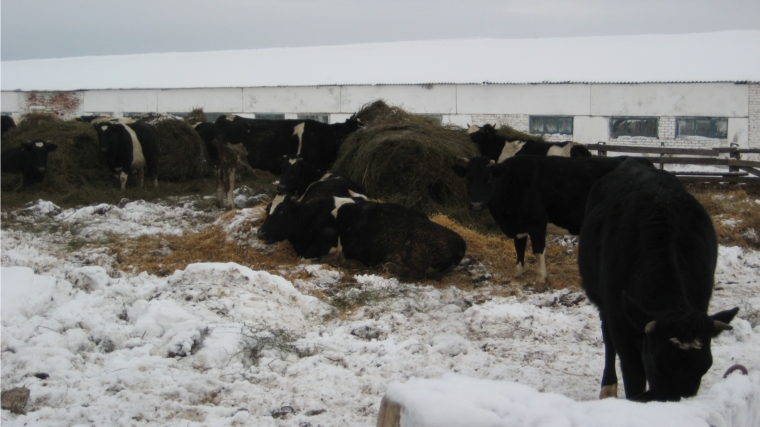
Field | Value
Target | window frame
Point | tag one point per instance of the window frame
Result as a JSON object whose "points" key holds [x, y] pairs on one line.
{"points": [[269, 116], [322, 118], [558, 132], [713, 127], [656, 134]]}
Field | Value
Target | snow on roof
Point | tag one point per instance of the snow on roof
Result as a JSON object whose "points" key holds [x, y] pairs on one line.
{"points": [[702, 57]]}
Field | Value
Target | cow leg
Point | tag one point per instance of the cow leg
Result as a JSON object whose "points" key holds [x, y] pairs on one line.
{"points": [[538, 241], [231, 188], [219, 188], [521, 242], [634, 376], [142, 177], [123, 179], [609, 377]]}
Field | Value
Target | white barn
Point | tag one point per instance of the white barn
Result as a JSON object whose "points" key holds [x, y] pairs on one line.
{"points": [[687, 90]]}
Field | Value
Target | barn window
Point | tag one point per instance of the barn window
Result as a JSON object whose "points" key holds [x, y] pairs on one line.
{"points": [[633, 126], [708, 127], [318, 117], [551, 124], [270, 116]]}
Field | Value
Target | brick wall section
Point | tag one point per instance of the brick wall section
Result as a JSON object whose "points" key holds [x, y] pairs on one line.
{"points": [[754, 115]]}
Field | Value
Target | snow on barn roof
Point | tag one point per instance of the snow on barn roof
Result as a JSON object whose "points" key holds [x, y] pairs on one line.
{"points": [[729, 56]]}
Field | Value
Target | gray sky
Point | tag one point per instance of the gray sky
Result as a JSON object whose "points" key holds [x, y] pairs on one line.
{"points": [[64, 28]]}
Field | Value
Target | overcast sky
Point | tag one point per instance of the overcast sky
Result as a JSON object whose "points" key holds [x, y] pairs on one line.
{"points": [[64, 28]]}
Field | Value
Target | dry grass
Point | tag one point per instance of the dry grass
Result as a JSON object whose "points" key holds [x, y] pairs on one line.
{"points": [[735, 211]]}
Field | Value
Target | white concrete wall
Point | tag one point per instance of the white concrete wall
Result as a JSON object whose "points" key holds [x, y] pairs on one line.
{"points": [[320, 99], [418, 99], [121, 101], [547, 99], [666, 99], [9, 102], [221, 100], [591, 130]]}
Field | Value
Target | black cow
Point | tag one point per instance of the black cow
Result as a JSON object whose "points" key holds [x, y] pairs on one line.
{"points": [[499, 147], [529, 196], [299, 175], [647, 255], [369, 233], [127, 147], [30, 160], [207, 132], [267, 141], [7, 124]]}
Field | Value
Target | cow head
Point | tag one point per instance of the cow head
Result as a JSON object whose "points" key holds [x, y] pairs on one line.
{"points": [[676, 348], [296, 175], [354, 123], [107, 135], [38, 154], [281, 221], [479, 173]]}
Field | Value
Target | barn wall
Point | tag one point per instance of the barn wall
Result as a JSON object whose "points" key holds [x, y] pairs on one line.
{"points": [[220, 100], [319, 99], [680, 99], [9, 102], [418, 99], [120, 101], [754, 116], [549, 99]]}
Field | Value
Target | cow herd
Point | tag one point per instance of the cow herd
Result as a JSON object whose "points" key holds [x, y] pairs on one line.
{"points": [[647, 249]]}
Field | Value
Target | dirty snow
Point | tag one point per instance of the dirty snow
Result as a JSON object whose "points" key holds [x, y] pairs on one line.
{"points": [[129, 348]]}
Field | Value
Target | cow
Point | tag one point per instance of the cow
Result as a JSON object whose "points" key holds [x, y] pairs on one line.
{"points": [[499, 147], [7, 124], [647, 253], [267, 141], [207, 132], [530, 196], [299, 175], [329, 187], [129, 146], [357, 232], [30, 160]]}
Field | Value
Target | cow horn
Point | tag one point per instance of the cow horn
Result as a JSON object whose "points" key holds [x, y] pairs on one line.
{"points": [[720, 326], [649, 327]]}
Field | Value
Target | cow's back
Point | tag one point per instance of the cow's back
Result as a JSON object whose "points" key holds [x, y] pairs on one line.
{"points": [[645, 233]]}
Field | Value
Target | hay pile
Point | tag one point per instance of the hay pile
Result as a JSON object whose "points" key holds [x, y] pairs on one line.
{"points": [[195, 116], [405, 159], [183, 154], [513, 134], [75, 163]]}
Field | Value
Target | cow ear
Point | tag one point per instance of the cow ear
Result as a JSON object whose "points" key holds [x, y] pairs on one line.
{"points": [[722, 319], [51, 146], [636, 315]]}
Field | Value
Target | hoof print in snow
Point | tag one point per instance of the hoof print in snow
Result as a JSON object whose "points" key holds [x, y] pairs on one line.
{"points": [[15, 399], [107, 346], [369, 333], [283, 413]]}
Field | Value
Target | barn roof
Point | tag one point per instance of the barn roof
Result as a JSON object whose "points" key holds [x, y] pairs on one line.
{"points": [[729, 56]]}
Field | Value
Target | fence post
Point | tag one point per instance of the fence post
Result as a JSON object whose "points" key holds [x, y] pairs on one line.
{"points": [[602, 152], [662, 165], [734, 155]]}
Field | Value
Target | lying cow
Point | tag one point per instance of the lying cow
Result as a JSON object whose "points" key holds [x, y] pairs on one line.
{"points": [[7, 124], [499, 147], [127, 147], [530, 196], [365, 232], [647, 255], [299, 175], [30, 160]]}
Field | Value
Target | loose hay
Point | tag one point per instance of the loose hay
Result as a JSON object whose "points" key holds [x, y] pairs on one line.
{"points": [[405, 159], [183, 154]]}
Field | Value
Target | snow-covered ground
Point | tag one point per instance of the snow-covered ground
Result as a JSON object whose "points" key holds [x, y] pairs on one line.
{"points": [[222, 344]]}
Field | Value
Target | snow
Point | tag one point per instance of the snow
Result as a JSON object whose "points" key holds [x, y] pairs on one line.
{"points": [[129, 348], [601, 59]]}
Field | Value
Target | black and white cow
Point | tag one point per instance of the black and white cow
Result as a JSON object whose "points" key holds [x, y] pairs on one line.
{"points": [[298, 174], [370, 233], [267, 141], [499, 147], [7, 124], [129, 146], [207, 132], [30, 160], [530, 196], [647, 255]]}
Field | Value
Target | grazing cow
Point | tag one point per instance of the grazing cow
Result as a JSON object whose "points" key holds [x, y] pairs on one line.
{"points": [[7, 124], [207, 132], [647, 255], [529, 196], [369, 233], [267, 141], [127, 147], [30, 160], [499, 147]]}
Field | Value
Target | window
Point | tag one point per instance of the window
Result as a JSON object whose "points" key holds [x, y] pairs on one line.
{"points": [[709, 127], [318, 117], [633, 126], [551, 124], [270, 116]]}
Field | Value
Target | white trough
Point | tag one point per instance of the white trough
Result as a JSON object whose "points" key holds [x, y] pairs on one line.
{"points": [[456, 400]]}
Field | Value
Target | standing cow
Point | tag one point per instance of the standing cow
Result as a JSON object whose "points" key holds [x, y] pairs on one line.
{"points": [[30, 160], [530, 196], [647, 255], [7, 124], [499, 147], [129, 146]]}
